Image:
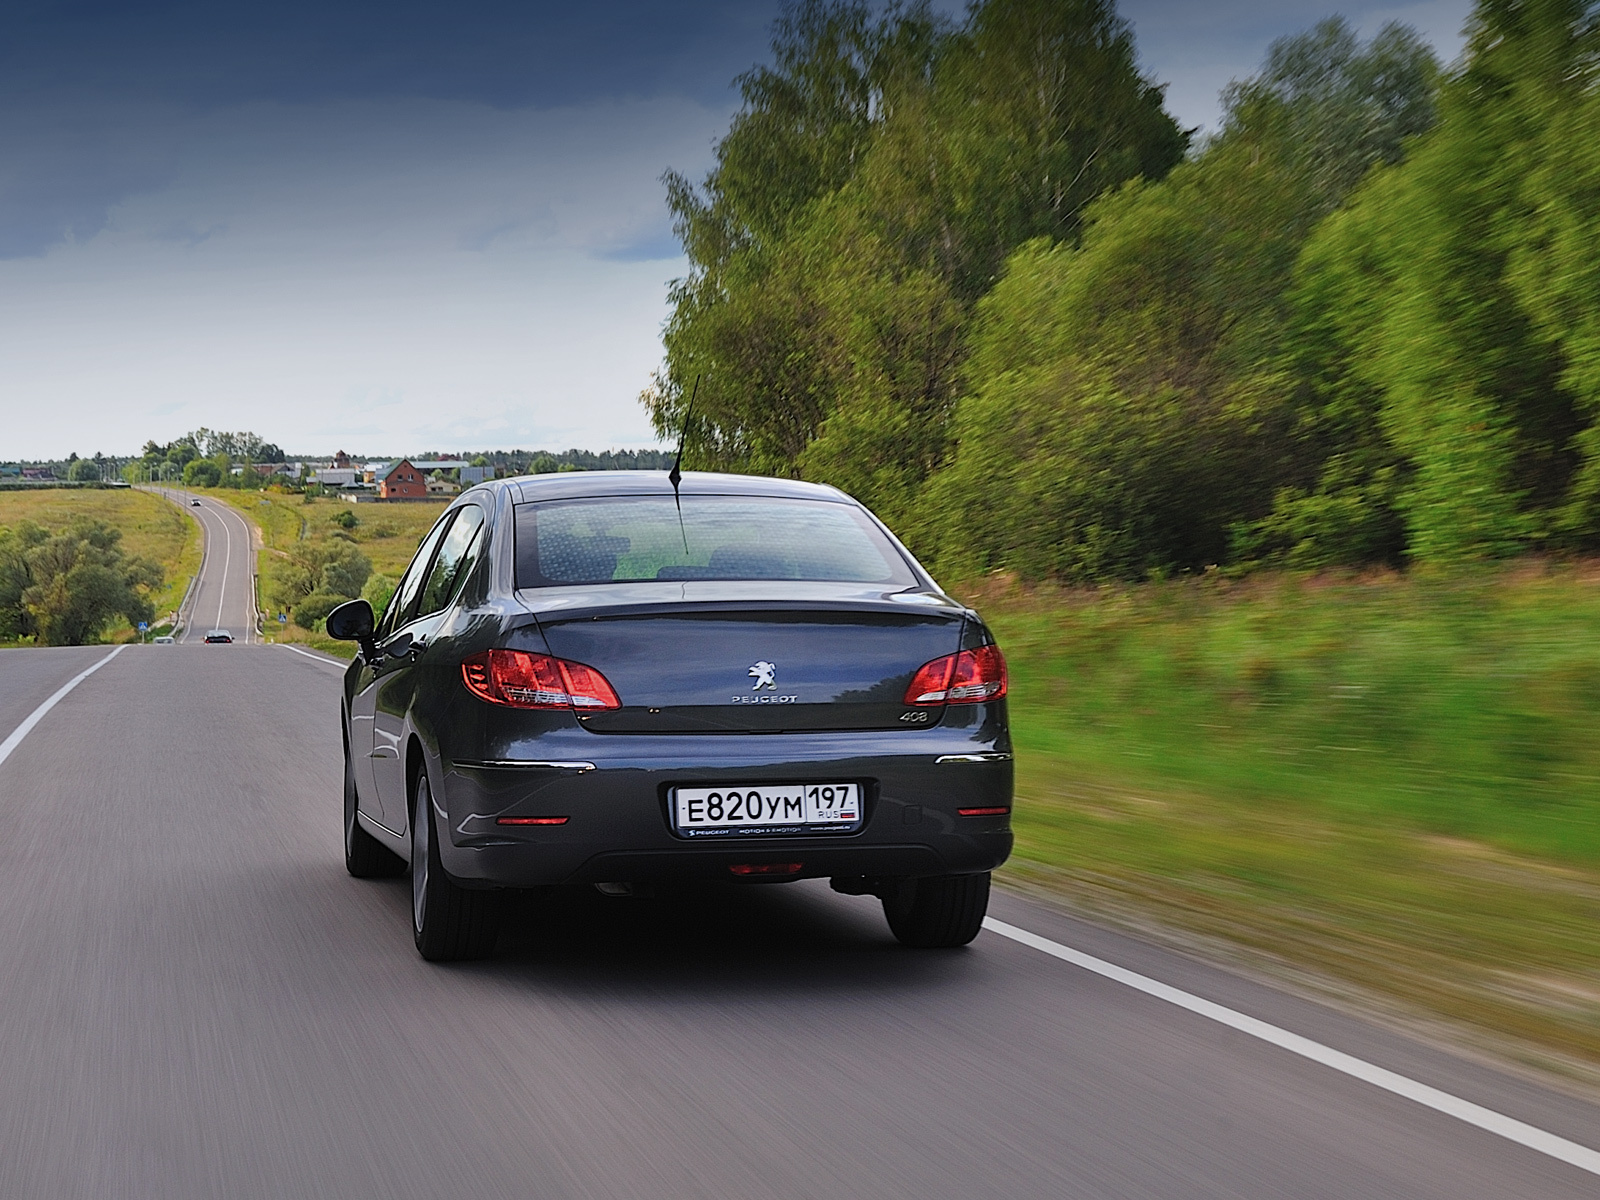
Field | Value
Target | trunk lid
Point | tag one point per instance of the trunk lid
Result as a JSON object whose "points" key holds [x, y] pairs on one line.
{"points": [[731, 659]]}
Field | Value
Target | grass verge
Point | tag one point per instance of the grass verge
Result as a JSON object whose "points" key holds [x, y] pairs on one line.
{"points": [[1392, 782]]}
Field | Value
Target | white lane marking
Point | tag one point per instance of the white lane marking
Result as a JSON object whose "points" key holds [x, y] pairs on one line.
{"points": [[1487, 1119], [227, 561], [200, 575], [327, 662], [33, 718], [221, 512], [244, 532]]}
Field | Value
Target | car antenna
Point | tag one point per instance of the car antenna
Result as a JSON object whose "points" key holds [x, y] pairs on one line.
{"points": [[675, 476]]}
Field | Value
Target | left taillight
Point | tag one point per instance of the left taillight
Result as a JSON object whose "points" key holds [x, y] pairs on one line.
{"points": [[520, 679], [968, 677]]}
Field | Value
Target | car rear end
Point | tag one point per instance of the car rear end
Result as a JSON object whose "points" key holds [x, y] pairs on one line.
{"points": [[771, 689], [671, 783]]}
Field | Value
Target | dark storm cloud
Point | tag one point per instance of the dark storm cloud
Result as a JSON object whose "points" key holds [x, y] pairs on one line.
{"points": [[94, 94], [492, 51]]}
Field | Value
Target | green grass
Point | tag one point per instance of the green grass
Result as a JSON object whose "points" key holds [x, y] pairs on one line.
{"points": [[151, 528], [1392, 780]]}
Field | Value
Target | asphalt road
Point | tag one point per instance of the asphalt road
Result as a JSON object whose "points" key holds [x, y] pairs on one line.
{"points": [[223, 597], [197, 1001]]}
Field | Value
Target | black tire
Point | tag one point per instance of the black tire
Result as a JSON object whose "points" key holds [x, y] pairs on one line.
{"points": [[448, 923], [365, 856], [939, 911]]}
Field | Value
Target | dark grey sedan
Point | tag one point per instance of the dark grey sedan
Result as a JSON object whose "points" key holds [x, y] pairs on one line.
{"points": [[587, 678]]}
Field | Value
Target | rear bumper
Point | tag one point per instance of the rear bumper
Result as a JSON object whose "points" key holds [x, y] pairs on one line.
{"points": [[618, 826]]}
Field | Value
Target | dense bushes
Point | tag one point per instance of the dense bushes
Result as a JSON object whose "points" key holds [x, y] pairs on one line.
{"points": [[314, 578], [953, 270], [64, 588]]}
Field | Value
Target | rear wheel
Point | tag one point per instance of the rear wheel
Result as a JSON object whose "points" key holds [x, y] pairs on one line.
{"points": [[942, 910], [448, 922], [364, 856]]}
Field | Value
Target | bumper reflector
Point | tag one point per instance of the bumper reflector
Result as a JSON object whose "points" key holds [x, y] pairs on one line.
{"points": [[531, 820], [766, 868], [983, 812]]}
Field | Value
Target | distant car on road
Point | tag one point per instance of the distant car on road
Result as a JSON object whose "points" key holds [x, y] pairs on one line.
{"points": [[194, 504], [219, 635], [587, 678], [165, 639]]}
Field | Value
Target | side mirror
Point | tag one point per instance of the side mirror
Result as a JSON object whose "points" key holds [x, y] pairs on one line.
{"points": [[352, 621]]}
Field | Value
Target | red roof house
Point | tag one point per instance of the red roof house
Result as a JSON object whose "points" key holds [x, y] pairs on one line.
{"points": [[403, 482]]}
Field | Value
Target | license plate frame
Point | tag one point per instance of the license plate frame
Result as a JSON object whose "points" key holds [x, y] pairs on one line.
{"points": [[830, 808]]}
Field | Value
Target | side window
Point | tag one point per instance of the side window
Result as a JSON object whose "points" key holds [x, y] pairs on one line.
{"points": [[405, 593], [457, 554]]}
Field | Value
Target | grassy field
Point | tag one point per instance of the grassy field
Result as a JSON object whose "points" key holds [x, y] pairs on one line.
{"points": [[151, 528], [386, 533], [1392, 782]]}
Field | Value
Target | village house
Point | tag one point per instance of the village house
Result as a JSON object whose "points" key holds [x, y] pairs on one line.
{"points": [[403, 482]]}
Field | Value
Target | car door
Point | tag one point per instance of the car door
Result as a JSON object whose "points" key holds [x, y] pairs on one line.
{"points": [[403, 673], [365, 748]]}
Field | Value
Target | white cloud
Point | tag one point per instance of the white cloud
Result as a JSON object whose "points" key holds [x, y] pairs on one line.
{"points": [[398, 277]]}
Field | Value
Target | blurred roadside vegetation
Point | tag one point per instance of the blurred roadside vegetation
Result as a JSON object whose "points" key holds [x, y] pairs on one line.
{"points": [[80, 566], [974, 274], [1392, 780]]}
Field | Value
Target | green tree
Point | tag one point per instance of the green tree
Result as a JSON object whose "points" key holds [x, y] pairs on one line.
{"points": [[65, 588], [862, 201], [182, 452], [1133, 398], [315, 608], [202, 472], [1337, 107], [1452, 301], [84, 470], [379, 589], [16, 577], [335, 568]]}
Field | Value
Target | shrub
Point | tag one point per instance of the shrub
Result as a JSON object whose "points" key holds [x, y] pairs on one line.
{"points": [[379, 590], [316, 607], [336, 567]]}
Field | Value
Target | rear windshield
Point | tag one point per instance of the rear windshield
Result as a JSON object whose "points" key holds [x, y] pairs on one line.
{"points": [[632, 539]]}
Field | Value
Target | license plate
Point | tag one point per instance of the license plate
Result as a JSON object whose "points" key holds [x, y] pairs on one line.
{"points": [[757, 808]]}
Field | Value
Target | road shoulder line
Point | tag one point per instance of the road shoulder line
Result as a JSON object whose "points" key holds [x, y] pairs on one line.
{"points": [[327, 662], [37, 715], [1582, 1157]]}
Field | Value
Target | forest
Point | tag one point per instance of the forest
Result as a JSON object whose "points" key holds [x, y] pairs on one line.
{"points": [[975, 274]]}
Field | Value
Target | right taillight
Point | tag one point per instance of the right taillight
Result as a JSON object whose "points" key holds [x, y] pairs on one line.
{"points": [[520, 679], [969, 677]]}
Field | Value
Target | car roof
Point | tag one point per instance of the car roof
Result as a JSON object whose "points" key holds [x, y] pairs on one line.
{"points": [[565, 485]]}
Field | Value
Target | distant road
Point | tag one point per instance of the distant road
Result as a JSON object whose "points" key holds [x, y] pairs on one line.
{"points": [[197, 1001], [223, 598]]}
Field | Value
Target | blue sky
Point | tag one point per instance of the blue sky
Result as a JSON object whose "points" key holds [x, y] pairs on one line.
{"points": [[397, 226]]}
